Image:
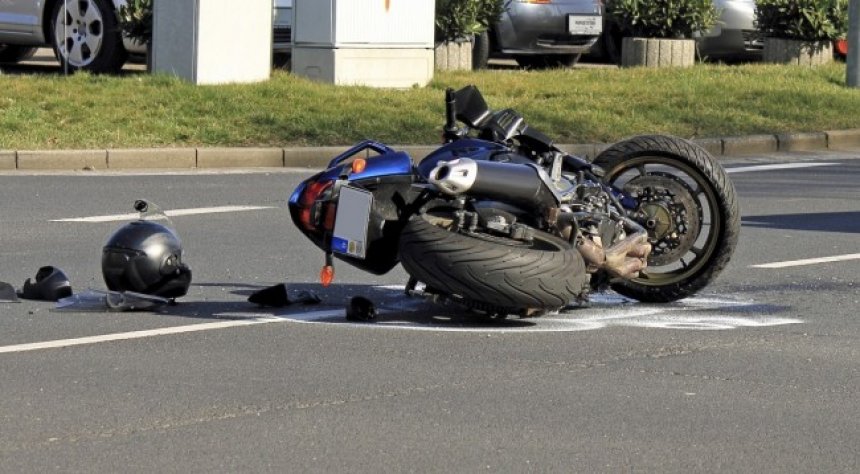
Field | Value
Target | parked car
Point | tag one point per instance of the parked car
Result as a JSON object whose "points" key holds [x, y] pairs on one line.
{"points": [[84, 34], [733, 37], [541, 33], [283, 27]]}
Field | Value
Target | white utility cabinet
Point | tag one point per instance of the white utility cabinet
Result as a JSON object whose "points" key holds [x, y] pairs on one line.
{"points": [[379, 43], [213, 41]]}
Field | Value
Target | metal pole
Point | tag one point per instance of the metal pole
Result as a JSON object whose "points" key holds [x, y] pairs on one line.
{"points": [[65, 35], [852, 62]]}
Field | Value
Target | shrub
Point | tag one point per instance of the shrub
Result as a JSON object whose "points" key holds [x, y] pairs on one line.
{"points": [[808, 20], [662, 18], [458, 19], [135, 20]]}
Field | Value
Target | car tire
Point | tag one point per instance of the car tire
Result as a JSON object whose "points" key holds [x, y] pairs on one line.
{"points": [[611, 42], [481, 51], [548, 61], [12, 54], [86, 36]]}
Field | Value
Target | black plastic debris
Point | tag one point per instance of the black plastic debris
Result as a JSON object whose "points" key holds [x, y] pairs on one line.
{"points": [[274, 296], [306, 297], [7, 293], [360, 309], [51, 284]]}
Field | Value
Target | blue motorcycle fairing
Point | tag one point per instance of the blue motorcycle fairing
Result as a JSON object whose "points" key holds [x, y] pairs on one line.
{"points": [[464, 148], [393, 163], [390, 164]]}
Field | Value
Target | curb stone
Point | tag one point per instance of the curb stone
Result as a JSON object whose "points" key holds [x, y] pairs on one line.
{"points": [[801, 141], [749, 145], [318, 157], [62, 159], [137, 158], [8, 160], [841, 139]]}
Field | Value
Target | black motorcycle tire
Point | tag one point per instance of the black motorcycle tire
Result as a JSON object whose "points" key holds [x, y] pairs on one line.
{"points": [[491, 273], [628, 154]]}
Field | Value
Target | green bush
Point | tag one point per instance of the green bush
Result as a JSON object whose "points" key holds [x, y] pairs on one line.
{"points": [[458, 19], [809, 20], [135, 20], [662, 18]]}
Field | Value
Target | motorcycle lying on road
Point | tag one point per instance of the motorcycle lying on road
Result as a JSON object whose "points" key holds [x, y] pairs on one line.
{"points": [[502, 221]]}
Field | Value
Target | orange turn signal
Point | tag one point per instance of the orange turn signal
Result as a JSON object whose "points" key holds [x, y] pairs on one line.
{"points": [[359, 165], [327, 275]]}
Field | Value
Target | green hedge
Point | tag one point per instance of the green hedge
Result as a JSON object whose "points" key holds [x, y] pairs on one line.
{"points": [[662, 18], [810, 20], [459, 19]]}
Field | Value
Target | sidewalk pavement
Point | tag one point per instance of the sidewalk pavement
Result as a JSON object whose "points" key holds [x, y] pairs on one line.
{"points": [[318, 157]]}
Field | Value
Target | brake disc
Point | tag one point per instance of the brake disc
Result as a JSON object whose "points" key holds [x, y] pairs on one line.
{"points": [[669, 212]]}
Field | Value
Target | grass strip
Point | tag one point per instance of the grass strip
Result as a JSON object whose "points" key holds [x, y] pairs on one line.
{"points": [[573, 106]]}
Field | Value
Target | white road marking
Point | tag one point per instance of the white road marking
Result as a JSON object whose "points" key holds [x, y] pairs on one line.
{"points": [[124, 336], [170, 213], [809, 261], [783, 166]]}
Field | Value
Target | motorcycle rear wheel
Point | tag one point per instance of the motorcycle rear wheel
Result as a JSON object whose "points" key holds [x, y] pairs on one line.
{"points": [[693, 217], [492, 273]]}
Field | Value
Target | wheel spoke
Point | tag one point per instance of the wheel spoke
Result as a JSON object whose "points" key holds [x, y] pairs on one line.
{"points": [[92, 14], [92, 44], [641, 170], [75, 54], [73, 7], [697, 251]]}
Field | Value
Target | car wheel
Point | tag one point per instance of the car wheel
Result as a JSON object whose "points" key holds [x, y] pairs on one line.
{"points": [[481, 51], [12, 54], [612, 39], [86, 36], [548, 61]]}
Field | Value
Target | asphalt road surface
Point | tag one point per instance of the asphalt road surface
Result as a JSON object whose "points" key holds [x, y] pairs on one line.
{"points": [[757, 373]]}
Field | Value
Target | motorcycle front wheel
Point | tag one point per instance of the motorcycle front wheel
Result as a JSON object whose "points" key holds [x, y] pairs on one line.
{"points": [[687, 204], [491, 272]]}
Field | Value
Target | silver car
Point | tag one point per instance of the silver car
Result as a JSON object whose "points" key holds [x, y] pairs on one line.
{"points": [[283, 28], [735, 35], [541, 33], [84, 33]]}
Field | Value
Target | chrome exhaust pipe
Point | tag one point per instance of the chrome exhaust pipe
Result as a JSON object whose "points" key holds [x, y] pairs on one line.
{"points": [[508, 182]]}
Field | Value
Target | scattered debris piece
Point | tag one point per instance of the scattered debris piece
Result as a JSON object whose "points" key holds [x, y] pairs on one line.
{"points": [[360, 309], [97, 300], [307, 297], [7, 293], [51, 284], [274, 296]]}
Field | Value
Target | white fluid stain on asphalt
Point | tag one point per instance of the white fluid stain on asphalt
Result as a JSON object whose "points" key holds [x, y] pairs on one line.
{"points": [[605, 311]]}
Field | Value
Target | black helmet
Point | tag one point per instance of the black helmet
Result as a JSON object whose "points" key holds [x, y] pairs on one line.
{"points": [[145, 257]]}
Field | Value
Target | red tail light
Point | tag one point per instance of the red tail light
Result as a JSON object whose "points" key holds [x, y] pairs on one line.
{"points": [[310, 207]]}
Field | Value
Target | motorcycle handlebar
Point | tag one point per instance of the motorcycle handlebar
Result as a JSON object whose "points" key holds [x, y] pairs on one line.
{"points": [[451, 131]]}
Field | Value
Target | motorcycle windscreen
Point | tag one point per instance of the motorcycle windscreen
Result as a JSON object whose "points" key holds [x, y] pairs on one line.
{"points": [[472, 109], [102, 301]]}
